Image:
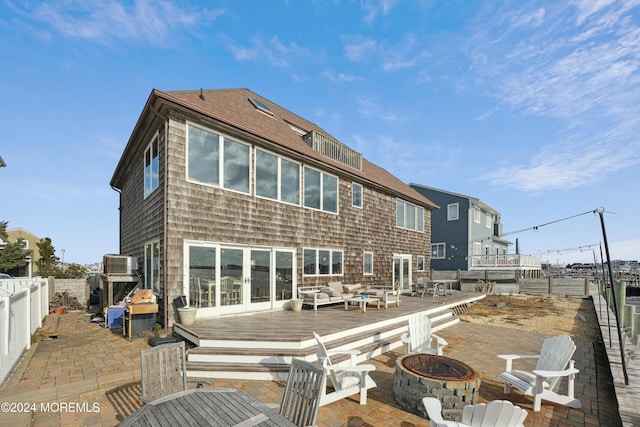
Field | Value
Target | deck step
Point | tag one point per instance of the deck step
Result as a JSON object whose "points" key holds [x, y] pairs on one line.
{"points": [[269, 358]]}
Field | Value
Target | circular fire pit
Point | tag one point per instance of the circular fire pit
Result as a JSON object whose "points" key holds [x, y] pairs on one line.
{"points": [[452, 382]]}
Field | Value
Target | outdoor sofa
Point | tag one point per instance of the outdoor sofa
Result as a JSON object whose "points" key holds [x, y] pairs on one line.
{"points": [[337, 292]]}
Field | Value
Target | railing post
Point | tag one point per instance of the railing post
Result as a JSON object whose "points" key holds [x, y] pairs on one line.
{"points": [[550, 287], [627, 317]]}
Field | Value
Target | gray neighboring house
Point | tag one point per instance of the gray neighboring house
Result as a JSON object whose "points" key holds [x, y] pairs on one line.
{"points": [[235, 202], [466, 234]]}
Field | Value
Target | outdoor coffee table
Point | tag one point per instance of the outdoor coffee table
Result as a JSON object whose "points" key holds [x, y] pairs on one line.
{"points": [[362, 301]]}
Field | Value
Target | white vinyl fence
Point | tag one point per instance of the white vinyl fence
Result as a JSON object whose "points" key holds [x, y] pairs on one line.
{"points": [[23, 305]]}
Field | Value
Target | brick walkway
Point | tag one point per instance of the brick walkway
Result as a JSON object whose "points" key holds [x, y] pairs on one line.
{"points": [[95, 373]]}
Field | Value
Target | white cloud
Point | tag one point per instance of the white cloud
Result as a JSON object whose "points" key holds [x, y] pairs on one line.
{"points": [[569, 163], [340, 77], [406, 53], [103, 21], [358, 48], [272, 50], [370, 107], [578, 66]]}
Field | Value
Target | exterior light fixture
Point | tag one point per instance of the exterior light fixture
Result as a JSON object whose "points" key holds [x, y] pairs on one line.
{"points": [[2, 163]]}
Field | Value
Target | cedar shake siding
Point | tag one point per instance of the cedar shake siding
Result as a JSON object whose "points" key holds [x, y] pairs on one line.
{"points": [[190, 219]]}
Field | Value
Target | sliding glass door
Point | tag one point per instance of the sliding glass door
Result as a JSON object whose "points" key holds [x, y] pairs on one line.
{"points": [[231, 279]]}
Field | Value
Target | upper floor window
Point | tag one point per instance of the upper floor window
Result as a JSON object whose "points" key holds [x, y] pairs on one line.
{"points": [[151, 165], [438, 251], [489, 220], [409, 216], [476, 214], [453, 211], [322, 262], [277, 178], [213, 159], [356, 195], [320, 190]]}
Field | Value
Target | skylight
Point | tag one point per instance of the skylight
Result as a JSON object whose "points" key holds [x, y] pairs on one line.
{"points": [[261, 106]]}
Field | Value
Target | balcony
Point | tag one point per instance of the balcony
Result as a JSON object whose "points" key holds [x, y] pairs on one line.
{"points": [[505, 262], [333, 149]]}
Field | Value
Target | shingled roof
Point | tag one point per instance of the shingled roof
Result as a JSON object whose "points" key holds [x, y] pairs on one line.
{"points": [[234, 108]]}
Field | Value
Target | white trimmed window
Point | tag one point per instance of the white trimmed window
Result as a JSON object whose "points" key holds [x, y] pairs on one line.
{"points": [[151, 165], [367, 263], [320, 190], [420, 263], [409, 216], [152, 266], [476, 214], [214, 160], [322, 262], [356, 195], [477, 248], [453, 212], [277, 178], [488, 220], [438, 251]]}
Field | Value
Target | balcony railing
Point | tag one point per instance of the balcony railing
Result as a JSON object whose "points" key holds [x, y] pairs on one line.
{"points": [[333, 149], [506, 262]]}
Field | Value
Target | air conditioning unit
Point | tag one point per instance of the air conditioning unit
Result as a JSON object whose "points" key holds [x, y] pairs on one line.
{"points": [[120, 264]]}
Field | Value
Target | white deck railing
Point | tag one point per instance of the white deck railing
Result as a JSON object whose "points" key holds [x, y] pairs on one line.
{"points": [[506, 261], [23, 305]]}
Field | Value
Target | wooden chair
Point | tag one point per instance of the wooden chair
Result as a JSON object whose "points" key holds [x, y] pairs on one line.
{"points": [[497, 413], [301, 398], [419, 338], [345, 380], [554, 362], [164, 371]]}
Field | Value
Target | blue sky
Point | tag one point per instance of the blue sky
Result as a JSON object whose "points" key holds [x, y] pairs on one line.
{"points": [[532, 108]]}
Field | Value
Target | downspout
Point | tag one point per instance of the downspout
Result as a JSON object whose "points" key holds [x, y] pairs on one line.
{"points": [[165, 219], [119, 218]]}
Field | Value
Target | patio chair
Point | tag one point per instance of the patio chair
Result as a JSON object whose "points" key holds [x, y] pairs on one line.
{"points": [[554, 362], [301, 398], [419, 338], [164, 371], [497, 413], [423, 287], [345, 380]]}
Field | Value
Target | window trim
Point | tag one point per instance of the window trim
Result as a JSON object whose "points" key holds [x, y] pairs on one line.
{"points": [[476, 214], [149, 187], [278, 177], [364, 263], [488, 221], [418, 258], [317, 262], [321, 190], [402, 221], [451, 217], [222, 137], [149, 276], [434, 254], [353, 187]]}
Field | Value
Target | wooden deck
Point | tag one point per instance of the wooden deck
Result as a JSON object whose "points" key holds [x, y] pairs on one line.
{"points": [[261, 345]]}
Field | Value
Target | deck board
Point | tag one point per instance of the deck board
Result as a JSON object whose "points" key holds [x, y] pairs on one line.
{"points": [[285, 325]]}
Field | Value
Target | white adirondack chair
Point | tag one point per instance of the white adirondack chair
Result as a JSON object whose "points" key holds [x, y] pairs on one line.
{"points": [[554, 362], [497, 413], [419, 338], [345, 380]]}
